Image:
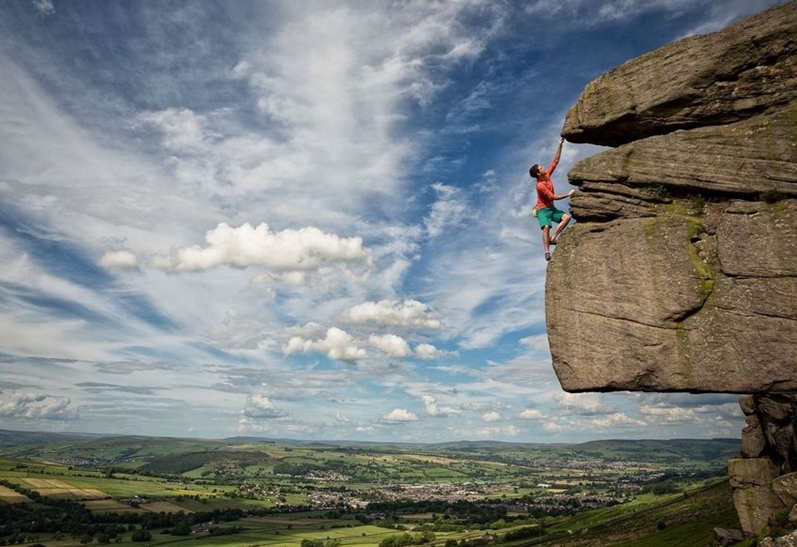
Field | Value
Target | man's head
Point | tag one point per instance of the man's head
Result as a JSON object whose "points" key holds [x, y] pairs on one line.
{"points": [[535, 171]]}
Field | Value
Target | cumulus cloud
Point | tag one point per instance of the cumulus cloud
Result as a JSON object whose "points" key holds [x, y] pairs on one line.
{"points": [[582, 403], [391, 345], [492, 416], [616, 419], [304, 249], [669, 414], [532, 414], [400, 415], [29, 406], [392, 313], [338, 345], [433, 410], [122, 260], [427, 352], [259, 407], [507, 431]]}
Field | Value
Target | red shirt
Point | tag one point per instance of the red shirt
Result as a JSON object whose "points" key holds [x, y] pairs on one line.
{"points": [[545, 187]]}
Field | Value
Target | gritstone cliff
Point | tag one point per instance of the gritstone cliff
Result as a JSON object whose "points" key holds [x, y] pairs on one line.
{"points": [[681, 272]]}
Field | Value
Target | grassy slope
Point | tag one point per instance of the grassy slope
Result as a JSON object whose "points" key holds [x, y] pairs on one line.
{"points": [[689, 522]]}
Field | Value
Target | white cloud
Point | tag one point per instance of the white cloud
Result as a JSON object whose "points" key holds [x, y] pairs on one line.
{"points": [[433, 410], [669, 414], [29, 406], [338, 344], [532, 414], [591, 403], [259, 407], [392, 313], [447, 211], [492, 416], [538, 342], [507, 431], [400, 415], [341, 418], [289, 250], [391, 345], [122, 260], [44, 7], [427, 352], [183, 130], [616, 419]]}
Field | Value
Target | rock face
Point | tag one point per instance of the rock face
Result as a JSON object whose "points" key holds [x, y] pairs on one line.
{"points": [[764, 480], [753, 497], [681, 272], [704, 80], [785, 541]]}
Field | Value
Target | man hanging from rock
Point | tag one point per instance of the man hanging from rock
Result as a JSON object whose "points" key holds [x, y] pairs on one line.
{"points": [[545, 211]]}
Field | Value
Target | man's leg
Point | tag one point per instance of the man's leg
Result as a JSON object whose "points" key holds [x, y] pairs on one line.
{"points": [[559, 227], [546, 241]]}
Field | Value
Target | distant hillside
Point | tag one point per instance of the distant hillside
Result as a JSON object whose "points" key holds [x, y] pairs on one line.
{"points": [[661, 450], [161, 455], [175, 464], [10, 437], [111, 449]]}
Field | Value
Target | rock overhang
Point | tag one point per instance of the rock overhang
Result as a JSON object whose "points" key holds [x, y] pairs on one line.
{"points": [[681, 274]]}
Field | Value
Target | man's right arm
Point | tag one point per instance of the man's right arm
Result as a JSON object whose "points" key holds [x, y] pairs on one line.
{"points": [[556, 157]]}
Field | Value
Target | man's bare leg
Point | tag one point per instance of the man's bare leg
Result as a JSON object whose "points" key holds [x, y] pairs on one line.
{"points": [[559, 227], [546, 241]]}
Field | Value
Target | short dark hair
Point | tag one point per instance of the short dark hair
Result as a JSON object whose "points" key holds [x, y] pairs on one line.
{"points": [[532, 171]]}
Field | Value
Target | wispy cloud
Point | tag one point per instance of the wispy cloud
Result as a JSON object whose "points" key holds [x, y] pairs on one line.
{"points": [[44, 7]]}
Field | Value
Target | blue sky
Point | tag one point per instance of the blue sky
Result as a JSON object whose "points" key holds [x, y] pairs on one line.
{"points": [[302, 219]]}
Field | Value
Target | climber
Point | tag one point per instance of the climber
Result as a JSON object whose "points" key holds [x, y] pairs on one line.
{"points": [[545, 210]]}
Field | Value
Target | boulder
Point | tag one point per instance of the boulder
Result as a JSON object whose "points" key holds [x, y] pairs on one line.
{"points": [[785, 487], [723, 537], [677, 301], [753, 440], [750, 472], [789, 540], [776, 408], [713, 162], [753, 498], [747, 404], [704, 80]]}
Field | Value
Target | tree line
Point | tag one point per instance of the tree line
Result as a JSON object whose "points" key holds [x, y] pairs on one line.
{"points": [[50, 516]]}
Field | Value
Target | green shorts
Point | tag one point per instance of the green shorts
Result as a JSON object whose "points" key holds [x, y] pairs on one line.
{"points": [[548, 214]]}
